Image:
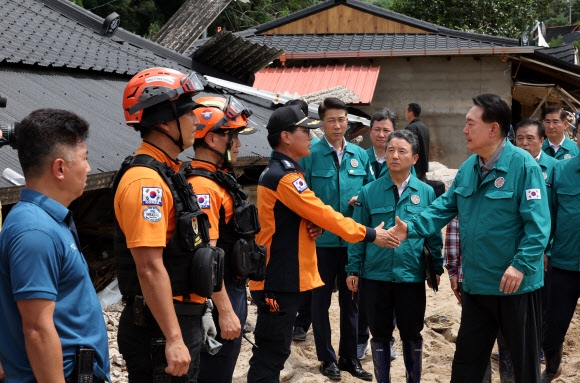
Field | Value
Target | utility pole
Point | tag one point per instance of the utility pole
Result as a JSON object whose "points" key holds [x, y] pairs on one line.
{"points": [[570, 12]]}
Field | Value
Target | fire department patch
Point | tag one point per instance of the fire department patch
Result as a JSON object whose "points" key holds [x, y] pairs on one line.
{"points": [[152, 214], [151, 195], [300, 185]]}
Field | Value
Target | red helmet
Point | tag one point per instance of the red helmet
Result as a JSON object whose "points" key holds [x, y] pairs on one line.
{"points": [[221, 113], [153, 86]]}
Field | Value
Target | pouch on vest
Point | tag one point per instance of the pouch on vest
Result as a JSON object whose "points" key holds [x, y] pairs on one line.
{"points": [[206, 270], [193, 229], [249, 260], [246, 219]]}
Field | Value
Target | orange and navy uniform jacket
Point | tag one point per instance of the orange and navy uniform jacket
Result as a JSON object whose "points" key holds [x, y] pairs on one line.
{"points": [[285, 205], [144, 206]]}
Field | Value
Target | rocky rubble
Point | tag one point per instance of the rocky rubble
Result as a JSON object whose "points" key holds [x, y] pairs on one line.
{"points": [[111, 314]]}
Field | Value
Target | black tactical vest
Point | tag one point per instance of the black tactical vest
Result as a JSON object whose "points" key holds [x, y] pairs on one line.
{"points": [[243, 257], [191, 237]]}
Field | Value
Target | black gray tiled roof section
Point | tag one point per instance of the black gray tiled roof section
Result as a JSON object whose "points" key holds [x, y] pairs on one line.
{"points": [[57, 33], [367, 42]]}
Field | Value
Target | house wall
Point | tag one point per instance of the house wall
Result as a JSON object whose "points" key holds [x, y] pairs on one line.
{"points": [[444, 87], [343, 19]]}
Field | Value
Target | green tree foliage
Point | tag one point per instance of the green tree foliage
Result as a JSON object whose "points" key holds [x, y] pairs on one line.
{"points": [[556, 42], [388, 4], [494, 17], [143, 17], [559, 12], [239, 16]]}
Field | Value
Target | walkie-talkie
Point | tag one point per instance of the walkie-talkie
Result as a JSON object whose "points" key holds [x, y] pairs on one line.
{"points": [[84, 359]]}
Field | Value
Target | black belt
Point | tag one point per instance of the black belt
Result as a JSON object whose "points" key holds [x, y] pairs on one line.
{"points": [[181, 308], [191, 309]]}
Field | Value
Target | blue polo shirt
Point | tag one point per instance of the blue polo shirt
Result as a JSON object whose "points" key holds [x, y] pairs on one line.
{"points": [[39, 259]]}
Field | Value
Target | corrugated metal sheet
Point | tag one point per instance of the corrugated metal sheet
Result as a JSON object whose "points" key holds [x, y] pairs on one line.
{"points": [[361, 80], [188, 23]]}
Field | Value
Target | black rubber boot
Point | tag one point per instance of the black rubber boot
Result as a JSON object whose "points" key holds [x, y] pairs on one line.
{"points": [[381, 361], [413, 357], [553, 364]]}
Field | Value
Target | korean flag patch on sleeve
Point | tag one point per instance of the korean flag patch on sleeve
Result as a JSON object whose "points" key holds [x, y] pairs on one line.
{"points": [[300, 185], [203, 201], [151, 196], [533, 194]]}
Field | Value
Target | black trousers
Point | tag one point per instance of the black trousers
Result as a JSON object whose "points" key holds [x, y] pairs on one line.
{"points": [[564, 294], [519, 319], [304, 317], [135, 344], [273, 334], [363, 333], [332, 263], [383, 301], [219, 368]]}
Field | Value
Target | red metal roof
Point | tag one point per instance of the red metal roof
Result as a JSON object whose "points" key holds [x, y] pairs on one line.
{"points": [[305, 80]]}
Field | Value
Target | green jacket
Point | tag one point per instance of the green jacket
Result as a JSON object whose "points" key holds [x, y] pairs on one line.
{"points": [[569, 149], [566, 208], [503, 220], [547, 164], [335, 187], [376, 204]]}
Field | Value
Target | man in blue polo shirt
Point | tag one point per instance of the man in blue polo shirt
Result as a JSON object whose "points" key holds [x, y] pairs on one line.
{"points": [[48, 303]]}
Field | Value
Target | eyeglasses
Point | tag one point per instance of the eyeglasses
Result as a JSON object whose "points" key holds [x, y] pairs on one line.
{"points": [[549, 122]]}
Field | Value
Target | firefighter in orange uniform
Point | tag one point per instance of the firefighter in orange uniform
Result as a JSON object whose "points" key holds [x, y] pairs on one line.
{"points": [[222, 199], [160, 329]]}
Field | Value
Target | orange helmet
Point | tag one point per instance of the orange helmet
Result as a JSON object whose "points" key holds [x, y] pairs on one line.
{"points": [[153, 86], [221, 113]]}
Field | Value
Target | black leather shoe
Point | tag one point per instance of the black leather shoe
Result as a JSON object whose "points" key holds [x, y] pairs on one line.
{"points": [[330, 370], [299, 334], [352, 365]]}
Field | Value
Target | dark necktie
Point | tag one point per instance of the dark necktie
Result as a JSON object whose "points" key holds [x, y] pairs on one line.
{"points": [[552, 151], [377, 169]]}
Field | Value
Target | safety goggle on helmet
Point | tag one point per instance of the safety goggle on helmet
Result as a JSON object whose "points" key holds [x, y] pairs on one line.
{"points": [[153, 86], [220, 113]]}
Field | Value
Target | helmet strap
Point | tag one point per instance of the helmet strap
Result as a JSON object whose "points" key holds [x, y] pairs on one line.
{"points": [[225, 157], [179, 141]]}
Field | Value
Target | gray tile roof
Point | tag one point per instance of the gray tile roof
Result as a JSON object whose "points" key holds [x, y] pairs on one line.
{"points": [[368, 42], [58, 33], [564, 53], [97, 98]]}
